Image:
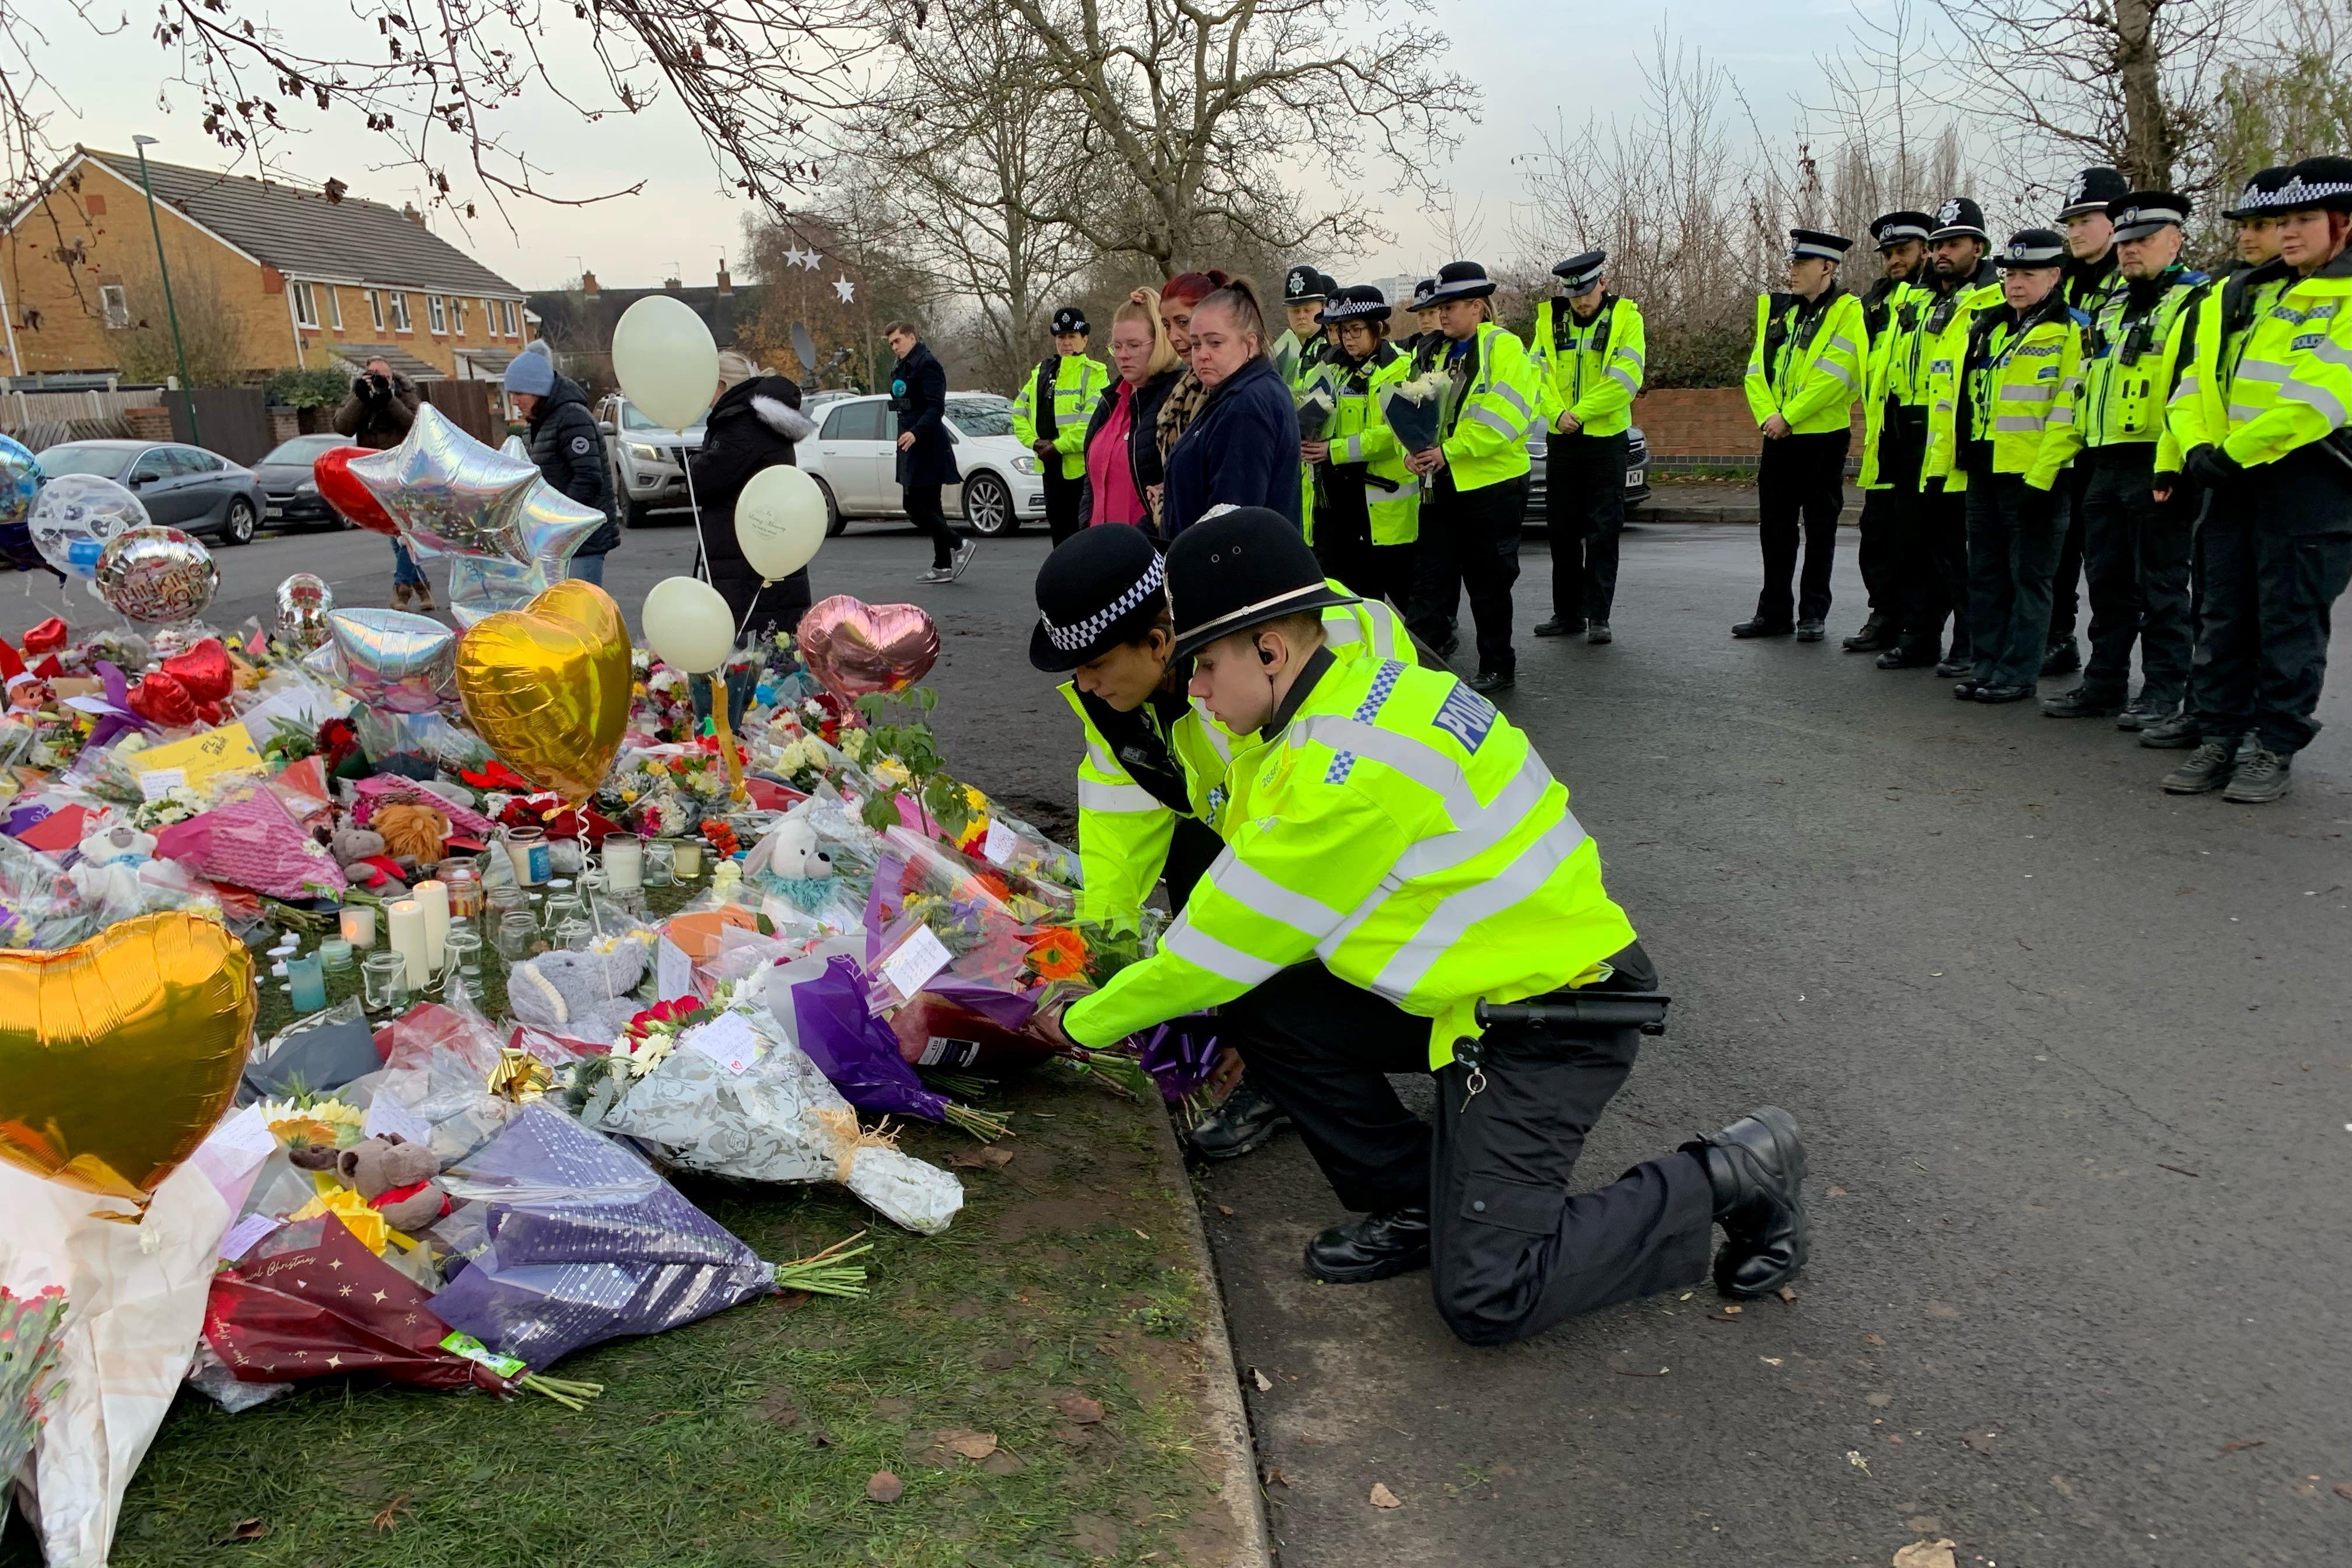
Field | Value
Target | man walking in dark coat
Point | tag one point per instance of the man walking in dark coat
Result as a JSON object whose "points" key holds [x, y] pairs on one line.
{"points": [[569, 448], [919, 396]]}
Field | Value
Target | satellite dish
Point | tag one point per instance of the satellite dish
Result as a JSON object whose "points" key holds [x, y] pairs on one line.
{"points": [[803, 346]]}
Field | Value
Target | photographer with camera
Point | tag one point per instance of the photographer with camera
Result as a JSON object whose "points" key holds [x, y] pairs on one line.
{"points": [[377, 414]]}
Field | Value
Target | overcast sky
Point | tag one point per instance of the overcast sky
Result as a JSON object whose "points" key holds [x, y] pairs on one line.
{"points": [[1536, 59]]}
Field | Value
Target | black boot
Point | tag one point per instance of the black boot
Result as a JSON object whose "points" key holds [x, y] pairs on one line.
{"points": [[2061, 657], [1875, 634], [1376, 1247], [1911, 653], [1560, 626], [1757, 1167], [1761, 628], [1245, 1121]]}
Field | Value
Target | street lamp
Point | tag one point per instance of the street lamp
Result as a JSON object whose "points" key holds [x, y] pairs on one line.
{"points": [[179, 350]]}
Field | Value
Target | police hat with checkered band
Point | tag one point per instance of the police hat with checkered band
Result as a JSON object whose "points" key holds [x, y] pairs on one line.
{"points": [[1890, 229], [1070, 318], [1302, 285], [2093, 191], [1580, 274], [2256, 197], [1960, 218], [1357, 302], [1238, 569], [2142, 212], [1102, 587], [2316, 183], [2031, 248]]}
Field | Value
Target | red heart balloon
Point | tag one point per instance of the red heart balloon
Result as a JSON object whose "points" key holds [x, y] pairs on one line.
{"points": [[344, 492], [160, 700], [203, 670], [50, 636]]}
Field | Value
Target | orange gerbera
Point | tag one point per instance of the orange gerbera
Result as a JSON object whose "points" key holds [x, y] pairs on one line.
{"points": [[1057, 953]]}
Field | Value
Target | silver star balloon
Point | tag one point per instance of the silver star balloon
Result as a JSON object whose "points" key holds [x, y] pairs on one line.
{"points": [[479, 588], [553, 526], [450, 494], [389, 659]]}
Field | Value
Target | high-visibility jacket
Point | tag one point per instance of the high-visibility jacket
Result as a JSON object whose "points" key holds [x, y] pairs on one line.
{"points": [[2018, 386], [2271, 366], [1399, 828], [1806, 363], [1894, 319], [2126, 374], [1936, 352], [1359, 435], [1489, 408], [1129, 796], [1079, 384], [1592, 369]]}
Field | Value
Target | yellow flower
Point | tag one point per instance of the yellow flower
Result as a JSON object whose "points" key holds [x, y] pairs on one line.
{"points": [[629, 797], [974, 799]]}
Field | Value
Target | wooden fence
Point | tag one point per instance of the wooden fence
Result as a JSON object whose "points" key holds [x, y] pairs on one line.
{"points": [[41, 419]]}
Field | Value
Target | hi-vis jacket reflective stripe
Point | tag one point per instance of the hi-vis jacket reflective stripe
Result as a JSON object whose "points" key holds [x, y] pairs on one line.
{"points": [[1806, 363], [1405, 833], [1942, 343], [1079, 385], [2272, 364], [2020, 390], [1484, 429], [1124, 829], [2127, 369], [1591, 369], [1359, 434], [1897, 325]]}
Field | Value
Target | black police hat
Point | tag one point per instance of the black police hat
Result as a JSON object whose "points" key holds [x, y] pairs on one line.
{"points": [[2255, 199], [1358, 302], [1580, 274], [1460, 280], [1960, 218], [2316, 183], [2093, 191], [1302, 285], [1818, 242], [1421, 295], [2030, 247], [1235, 570], [2142, 212], [1891, 229], [1070, 318], [1103, 586]]}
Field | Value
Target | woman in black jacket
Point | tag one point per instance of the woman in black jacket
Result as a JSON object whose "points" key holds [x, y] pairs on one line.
{"points": [[753, 424], [569, 448], [1242, 449], [1123, 468]]}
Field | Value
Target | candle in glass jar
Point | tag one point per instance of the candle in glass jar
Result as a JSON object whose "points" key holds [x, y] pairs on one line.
{"points": [[465, 885], [404, 923], [433, 897], [689, 858], [624, 862], [359, 926]]}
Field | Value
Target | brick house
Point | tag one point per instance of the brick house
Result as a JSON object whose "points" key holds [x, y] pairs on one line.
{"points": [[302, 277]]}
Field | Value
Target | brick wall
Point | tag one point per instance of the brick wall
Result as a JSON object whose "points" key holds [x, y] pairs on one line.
{"points": [[149, 424], [1705, 426]]}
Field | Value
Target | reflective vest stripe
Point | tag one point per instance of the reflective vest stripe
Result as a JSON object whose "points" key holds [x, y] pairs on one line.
{"points": [[2329, 405], [2029, 392], [1453, 916], [1096, 796], [1485, 828], [1510, 394], [1623, 378], [2330, 352], [1205, 952], [1248, 885], [1487, 416]]}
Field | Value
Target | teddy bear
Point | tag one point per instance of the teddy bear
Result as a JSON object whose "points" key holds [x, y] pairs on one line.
{"points": [[412, 834], [583, 995], [108, 871], [361, 853], [396, 1177], [789, 863]]}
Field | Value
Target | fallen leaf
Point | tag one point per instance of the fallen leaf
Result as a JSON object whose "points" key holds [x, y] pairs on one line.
{"points": [[1733, 1311], [1769, 1360], [1079, 1408], [1786, 1294], [1265, 1383], [884, 1486], [1227, 1210], [246, 1530], [1383, 1498], [1836, 1191], [971, 1445], [1854, 1456], [2243, 1443], [389, 1515], [1925, 1554]]}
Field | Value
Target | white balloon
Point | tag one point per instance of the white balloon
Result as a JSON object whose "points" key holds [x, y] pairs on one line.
{"points": [[687, 624], [665, 359], [780, 521]]}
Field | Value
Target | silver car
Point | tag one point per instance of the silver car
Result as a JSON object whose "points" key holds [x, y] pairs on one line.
{"points": [[853, 456]]}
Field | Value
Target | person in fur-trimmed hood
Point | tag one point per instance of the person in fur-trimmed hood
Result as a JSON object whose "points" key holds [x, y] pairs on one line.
{"points": [[754, 422]]}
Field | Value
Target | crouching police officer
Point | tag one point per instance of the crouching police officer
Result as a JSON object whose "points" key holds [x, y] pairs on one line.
{"points": [[1402, 886]]}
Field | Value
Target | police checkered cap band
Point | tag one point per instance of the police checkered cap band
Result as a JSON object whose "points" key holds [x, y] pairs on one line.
{"points": [[1806, 248], [2298, 193], [1071, 638], [1348, 309]]}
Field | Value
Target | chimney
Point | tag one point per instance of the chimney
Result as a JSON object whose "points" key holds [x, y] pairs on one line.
{"points": [[408, 210], [726, 284], [588, 284], [672, 284]]}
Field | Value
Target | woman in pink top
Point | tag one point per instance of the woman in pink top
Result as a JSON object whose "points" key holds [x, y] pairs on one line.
{"points": [[1123, 474]]}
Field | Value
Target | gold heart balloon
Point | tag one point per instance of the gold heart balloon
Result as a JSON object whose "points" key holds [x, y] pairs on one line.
{"points": [[119, 1054], [548, 687]]}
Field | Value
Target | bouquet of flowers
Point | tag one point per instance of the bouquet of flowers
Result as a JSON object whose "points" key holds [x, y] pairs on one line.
{"points": [[28, 1375], [1316, 406], [1413, 408]]}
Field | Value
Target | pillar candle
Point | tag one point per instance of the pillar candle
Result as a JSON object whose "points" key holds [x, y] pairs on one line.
{"points": [[624, 862], [359, 926], [433, 897], [405, 923], [689, 858]]}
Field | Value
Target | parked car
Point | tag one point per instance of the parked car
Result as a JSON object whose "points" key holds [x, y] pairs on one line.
{"points": [[183, 486], [290, 490], [1637, 471], [648, 459], [853, 457]]}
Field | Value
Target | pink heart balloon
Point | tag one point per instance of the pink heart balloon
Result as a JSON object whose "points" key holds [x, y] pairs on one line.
{"points": [[854, 649]]}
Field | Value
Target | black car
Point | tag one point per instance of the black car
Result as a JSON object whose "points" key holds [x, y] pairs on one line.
{"points": [[180, 485], [291, 492]]}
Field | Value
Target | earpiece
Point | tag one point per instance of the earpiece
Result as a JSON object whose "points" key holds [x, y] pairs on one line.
{"points": [[1264, 654]]}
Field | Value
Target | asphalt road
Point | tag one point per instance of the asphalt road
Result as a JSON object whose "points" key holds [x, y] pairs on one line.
{"points": [[2071, 1056]]}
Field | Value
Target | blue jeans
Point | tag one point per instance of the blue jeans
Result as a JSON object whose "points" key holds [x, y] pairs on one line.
{"points": [[588, 569], [405, 573]]}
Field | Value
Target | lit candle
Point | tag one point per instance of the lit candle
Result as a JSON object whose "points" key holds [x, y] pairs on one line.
{"points": [[689, 858], [624, 862], [433, 897], [359, 926], [405, 923]]}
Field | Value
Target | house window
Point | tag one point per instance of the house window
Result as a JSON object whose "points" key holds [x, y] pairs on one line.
{"points": [[437, 312], [458, 315], [114, 305], [375, 308], [334, 307], [490, 317], [400, 322], [306, 305]]}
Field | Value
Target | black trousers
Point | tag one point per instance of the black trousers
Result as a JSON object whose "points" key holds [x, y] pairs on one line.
{"points": [[1512, 1252], [1893, 552], [1063, 518], [1799, 485], [1469, 539], [1584, 486], [1343, 539], [2135, 553], [2014, 535], [2275, 553], [1941, 588], [923, 509], [2065, 578]]}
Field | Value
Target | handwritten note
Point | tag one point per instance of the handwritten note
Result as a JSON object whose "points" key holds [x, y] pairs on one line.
{"points": [[1000, 843], [199, 759], [910, 965], [727, 1041]]}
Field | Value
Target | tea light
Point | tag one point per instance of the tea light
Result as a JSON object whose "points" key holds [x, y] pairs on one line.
{"points": [[336, 954], [359, 926], [689, 858]]}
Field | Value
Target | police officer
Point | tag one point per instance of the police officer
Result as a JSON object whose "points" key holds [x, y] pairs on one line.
{"points": [[1303, 293], [1804, 376], [2269, 393], [1050, 414], [1589, 353], [1427, 343], [2135, 544], [1369, 511], [2091, 273], [1895, 428]]}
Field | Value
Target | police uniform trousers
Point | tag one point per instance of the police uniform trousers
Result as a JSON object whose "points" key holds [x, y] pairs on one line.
{"points": [[1343, 537], [1942, 526], [2275, 553], [1063, 500], [2136, 555], [1894, 553], [2066, 577], [1469, 538], [2015, 533], [1584, 490], [1512, 1251], [1799, 488]]}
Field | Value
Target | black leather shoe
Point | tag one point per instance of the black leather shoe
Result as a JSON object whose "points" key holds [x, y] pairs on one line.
{"points": [[1492, 681], [1873, 637], [1756, 1168], [1762, 628], [1990, 693], [1245, 1121], [1598, 632], [1957, 667], [2061, 659], [1967, 689], [1558, 627], [1909, 656], [1811, 631], [2082, 703], [1377, 1246], [2175, 733]]}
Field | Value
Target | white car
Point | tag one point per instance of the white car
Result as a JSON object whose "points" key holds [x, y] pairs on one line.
{"points": [[853, 456]]}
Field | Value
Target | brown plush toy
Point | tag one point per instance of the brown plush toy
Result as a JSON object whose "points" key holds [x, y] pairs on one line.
{"points": [[395, 1176], [414, 832]]}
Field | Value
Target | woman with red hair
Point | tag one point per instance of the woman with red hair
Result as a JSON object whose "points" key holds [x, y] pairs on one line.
{"points": [[1183, 292]]}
